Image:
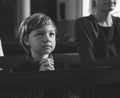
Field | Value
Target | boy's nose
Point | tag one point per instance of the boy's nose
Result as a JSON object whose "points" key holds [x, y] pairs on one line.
{"points": [[46, 38]]}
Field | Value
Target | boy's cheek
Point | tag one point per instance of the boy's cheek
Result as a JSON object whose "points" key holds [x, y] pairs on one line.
{"points": [[55, 44]]}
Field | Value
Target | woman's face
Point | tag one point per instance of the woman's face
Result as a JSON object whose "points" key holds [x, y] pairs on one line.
{"points": [[106, 5], [42, 40]]}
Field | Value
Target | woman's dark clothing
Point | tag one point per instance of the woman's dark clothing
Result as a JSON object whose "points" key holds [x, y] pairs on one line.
{"points": [[29, 65], [103, 41]]}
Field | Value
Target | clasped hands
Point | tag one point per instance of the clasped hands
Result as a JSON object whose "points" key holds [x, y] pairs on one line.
{"points": [[47, 64]]}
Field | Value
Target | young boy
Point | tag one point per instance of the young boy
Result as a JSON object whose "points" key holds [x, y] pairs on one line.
{"points": [[37, 35], [38, 38]]}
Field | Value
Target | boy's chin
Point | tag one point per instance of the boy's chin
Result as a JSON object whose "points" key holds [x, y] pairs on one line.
{"points": [[47, 51]]}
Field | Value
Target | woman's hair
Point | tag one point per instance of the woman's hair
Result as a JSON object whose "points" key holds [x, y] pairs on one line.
{"points": [[31, 23], [92, 5]]}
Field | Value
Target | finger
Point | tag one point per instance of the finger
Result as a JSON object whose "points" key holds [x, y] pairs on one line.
{"points": [[43, 68], [46, 60], [47, 64]]}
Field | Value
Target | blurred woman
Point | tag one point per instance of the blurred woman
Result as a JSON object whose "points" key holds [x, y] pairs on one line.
{"points": [[98, 35]]}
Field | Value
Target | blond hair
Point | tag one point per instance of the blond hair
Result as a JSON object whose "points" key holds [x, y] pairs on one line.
{"points": [[92, 6], [32, 22]]}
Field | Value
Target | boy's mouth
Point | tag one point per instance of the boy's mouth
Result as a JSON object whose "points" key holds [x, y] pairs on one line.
{"points": [[47, 46]]}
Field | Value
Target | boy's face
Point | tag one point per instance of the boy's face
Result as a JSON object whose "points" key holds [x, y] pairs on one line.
{"points": [[42, 40]]}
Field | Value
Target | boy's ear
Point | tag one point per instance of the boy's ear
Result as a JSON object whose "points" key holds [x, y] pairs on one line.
{"points": [[26, 41]]}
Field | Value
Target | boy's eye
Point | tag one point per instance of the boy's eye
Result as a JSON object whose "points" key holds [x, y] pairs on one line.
{"points": [[52, 34], [40, 33]]}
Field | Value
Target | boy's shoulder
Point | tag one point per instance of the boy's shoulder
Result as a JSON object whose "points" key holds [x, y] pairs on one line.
{"points": [[23, 66]]}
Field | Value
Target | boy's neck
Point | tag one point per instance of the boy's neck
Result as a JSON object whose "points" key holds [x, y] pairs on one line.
{"points": [[39, 57]]}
